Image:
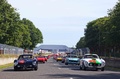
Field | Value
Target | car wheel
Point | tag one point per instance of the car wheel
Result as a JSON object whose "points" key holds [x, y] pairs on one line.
{"points": [[15, 68], [66, 63], [96, 69], [36, 68], [102, 69], [83, 67], [80, 68]]}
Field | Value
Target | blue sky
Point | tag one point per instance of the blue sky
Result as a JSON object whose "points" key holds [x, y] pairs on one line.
{"points": [[62, 22]]}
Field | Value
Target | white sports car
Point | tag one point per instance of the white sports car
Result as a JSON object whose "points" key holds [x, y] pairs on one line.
{"points": [[92, 61]]}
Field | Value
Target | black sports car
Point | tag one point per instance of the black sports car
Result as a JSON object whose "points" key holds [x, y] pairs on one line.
{"points": [[26, 61]]}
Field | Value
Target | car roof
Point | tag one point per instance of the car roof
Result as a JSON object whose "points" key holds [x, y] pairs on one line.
{"points": [[26, 55], [90, 54]]}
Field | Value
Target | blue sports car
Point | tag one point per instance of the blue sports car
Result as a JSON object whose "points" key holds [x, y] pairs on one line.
{"points": [[25, 61], [72, 59]]}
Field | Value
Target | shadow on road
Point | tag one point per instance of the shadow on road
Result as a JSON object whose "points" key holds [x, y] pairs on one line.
{"points": [[12, 70], [74, 76]]}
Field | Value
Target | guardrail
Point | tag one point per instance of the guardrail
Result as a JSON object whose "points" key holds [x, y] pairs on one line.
{"points": [[7, 49]]}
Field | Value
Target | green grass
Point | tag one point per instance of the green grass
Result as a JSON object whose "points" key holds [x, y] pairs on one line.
{"points": [[6, 66], [7, 55]]}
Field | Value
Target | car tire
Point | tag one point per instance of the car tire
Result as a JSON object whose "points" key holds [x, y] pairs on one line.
{"points": [[102, 69], [83, 67], [96, 69], [80, 68], [15, 68], [66, 63], [36, 68]]}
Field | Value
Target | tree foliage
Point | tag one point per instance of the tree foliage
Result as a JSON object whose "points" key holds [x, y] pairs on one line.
{"points": [[81, 43], [102, 35], [17, 32]]}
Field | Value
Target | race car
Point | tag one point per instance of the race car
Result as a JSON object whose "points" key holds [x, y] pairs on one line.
{"points": [[72, 59], [25, 61], [63, 59], [41, 59], [59, 58], [92, 61], [46, 58]]}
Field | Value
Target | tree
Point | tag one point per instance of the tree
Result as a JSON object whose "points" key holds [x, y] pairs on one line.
{"points": [[81, 43], [17, 32], [35, 34]]}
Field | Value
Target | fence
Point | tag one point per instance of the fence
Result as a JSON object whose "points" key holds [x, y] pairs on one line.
{"points": [[81, 52], [7, 49]]}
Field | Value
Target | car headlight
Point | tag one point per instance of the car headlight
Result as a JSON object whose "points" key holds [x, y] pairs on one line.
{"points": [[15, 63], [85, 63], [103, 63], [34, 62]]}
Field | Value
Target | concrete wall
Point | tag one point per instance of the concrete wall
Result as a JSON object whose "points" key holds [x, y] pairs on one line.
{"points": [[112, 62], [6, 60]]}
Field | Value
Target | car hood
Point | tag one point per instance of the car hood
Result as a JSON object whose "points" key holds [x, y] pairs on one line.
{"points": [[26, 60], [73, 59], [89, 60]]}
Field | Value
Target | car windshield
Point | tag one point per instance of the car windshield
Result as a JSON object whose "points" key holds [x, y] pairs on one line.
{"points": [[73, 56], [90, 56], [25, 57]]}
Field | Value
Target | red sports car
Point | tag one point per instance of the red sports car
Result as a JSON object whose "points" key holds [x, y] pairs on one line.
{"points": [[46, 58], [41, 59]]}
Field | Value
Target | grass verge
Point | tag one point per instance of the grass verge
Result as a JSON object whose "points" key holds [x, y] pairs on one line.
{"points": [[6, 66], [7, 55]]}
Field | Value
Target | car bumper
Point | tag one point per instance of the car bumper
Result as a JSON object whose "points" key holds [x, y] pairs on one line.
{"points": [[77, 63], [59, 59], [25, 66], [98, 67]]}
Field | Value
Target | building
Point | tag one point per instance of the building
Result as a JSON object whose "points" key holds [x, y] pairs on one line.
{"points": [[51, 49], [80, 52]]}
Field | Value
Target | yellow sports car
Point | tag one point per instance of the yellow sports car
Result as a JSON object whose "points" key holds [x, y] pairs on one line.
{"points": [[59, 58]]}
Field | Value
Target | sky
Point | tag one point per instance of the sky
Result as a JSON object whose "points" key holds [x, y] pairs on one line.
{"points": [[62, 22]]}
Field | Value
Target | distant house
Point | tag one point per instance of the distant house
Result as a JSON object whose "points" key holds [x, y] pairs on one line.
{"points": [[81, 51], [52, 49]]}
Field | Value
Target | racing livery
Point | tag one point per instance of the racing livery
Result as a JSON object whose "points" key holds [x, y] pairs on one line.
{"points": [[92, 61], [25, 61]]}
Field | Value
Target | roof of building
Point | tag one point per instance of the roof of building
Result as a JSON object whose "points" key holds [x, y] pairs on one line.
{"points": [[53, 47]]}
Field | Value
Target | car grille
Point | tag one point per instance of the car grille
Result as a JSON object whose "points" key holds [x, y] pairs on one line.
{"points": [[27, 63], [94, 64]]}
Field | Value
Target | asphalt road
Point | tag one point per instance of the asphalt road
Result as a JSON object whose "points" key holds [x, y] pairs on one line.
{"points": [[57, 70]]}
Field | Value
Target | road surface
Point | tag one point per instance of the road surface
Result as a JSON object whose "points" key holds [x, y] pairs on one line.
{"points": [[57, 70]]}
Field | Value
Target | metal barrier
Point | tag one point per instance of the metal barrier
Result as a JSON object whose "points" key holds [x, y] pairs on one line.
{"points": [[7, 49]]}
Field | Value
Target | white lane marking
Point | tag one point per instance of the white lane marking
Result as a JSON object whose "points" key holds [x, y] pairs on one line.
{"points": [[71, 78], [59, 68], [54, 64]]}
